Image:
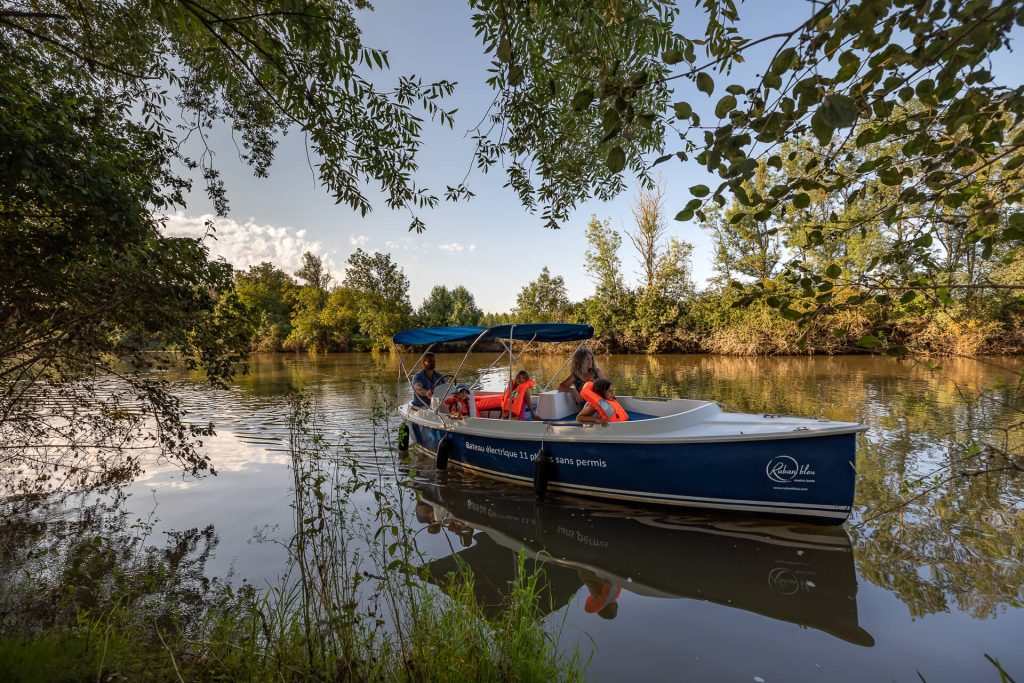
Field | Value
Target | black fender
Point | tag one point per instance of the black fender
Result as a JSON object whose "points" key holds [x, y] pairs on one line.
{"points": [[445, 448], [403, 437], [542, 466]]}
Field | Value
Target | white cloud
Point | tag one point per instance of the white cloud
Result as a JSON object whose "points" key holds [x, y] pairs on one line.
{"points": [[403, 244], [358, 240], [455, 247], [247, 244]]}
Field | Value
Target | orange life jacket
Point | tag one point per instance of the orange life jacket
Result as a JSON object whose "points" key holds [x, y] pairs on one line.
{"points": [[461, 403], [593, 399], [596, 603], [512, 400], [487, 401]]}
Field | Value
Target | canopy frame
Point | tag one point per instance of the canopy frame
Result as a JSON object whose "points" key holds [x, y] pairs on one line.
{"points": [[435, 335]]}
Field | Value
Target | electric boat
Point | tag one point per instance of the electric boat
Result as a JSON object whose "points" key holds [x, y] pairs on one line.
{"points": [[669, 452]]}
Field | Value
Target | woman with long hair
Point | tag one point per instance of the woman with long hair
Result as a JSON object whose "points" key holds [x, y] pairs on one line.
{"points": [[582, 370]]}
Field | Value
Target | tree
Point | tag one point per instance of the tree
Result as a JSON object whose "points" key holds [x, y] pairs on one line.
{"points": [[543, 299], [91, 145], [382, 295], [745, 246], [340, 318], [647, 236], [464, 311], [580, 89], [608, 309], [262, 67], [91, 148], [90, 286], [602, 262], [910, 75], [310, 330], [315, 275], [436, 308], [268, 293], [583, 82], [444, 307], [672, 280]]}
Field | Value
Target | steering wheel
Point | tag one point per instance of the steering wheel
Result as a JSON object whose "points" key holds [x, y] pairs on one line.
{"points": [[448, 378]]}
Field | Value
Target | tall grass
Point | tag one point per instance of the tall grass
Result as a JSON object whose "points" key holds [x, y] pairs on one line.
{"points": [[352, 605]]}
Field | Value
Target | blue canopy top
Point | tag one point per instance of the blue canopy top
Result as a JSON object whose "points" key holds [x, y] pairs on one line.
{"points": [[542, 332]]}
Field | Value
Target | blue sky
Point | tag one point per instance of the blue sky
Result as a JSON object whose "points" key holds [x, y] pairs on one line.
{"points": [[489, 244]]}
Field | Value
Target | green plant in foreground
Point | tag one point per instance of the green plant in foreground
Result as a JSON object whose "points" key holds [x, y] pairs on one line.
{"points": [[352, 605]]}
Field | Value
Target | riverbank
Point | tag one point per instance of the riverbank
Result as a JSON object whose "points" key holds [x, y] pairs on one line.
{"points": [[134, 631]]}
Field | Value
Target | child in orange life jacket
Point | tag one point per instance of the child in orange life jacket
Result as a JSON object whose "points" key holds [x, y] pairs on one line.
{"points": [[605, 408], [517, 400], [458, 405]]}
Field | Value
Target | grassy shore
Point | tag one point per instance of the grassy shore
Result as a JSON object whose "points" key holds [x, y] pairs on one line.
{"points": [[253, 636]]}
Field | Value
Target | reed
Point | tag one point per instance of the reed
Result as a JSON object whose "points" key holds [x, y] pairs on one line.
{"points": [[352, 605]]}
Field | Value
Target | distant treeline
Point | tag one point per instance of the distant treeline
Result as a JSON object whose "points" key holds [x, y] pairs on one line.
{"points": [[663, 312]]}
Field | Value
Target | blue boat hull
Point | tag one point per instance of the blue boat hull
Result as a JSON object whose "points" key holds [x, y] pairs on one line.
{"points": [[810, 477]]}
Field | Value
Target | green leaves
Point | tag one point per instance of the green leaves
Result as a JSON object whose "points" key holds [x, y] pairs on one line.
{"points": [[672, 56], [724, 106], [839, 111], [682, 110], [582, 99], [802, 200], [790, 314], [504, 51], [783, 61], [822, 130], [868, 341], [705, 83], [835, 111], [700, 190], [616, 159], [611, 121]]}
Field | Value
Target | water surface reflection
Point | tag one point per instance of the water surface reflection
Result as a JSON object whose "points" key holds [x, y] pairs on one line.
{"points": [[799, 573]]}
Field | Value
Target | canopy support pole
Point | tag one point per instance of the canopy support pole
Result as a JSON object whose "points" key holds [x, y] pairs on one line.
{"points": [[511, 360], [455, 377]]}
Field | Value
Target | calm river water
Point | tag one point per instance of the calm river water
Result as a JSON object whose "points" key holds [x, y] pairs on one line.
{"points": [[901, 592]]}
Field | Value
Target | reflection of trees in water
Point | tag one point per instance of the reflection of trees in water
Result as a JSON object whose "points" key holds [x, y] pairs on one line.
{"points": [[949, 551], [98, 557], [934, 529], [955, 537]]}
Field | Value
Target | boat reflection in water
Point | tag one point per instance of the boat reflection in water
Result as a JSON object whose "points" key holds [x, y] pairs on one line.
{"points": [[789, 571]]}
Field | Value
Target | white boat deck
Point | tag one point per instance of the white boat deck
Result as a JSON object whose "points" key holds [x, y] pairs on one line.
{"points": [[656, 420]]}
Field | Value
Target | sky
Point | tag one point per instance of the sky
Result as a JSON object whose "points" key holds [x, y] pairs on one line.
{"points": [[490, 244]]}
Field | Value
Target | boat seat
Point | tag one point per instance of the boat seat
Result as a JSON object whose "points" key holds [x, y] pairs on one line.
{"points": [[571, 419], [555, 405], [559, 408]]}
